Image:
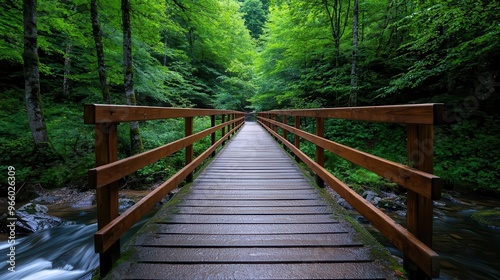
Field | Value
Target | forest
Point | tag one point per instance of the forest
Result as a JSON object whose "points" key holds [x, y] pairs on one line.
{"points": [[246, 55]]}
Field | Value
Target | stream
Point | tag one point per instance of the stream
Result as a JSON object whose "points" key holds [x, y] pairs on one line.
{"points": [[467, 250], [60, 253]]}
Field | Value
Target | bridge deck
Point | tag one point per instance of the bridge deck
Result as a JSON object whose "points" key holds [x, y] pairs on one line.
{"points": [[251, 214]]}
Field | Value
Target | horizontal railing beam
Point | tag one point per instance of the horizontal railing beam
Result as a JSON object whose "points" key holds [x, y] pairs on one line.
{"points": [[105, 174], [102, 113], [403, 114], [425, 184]]}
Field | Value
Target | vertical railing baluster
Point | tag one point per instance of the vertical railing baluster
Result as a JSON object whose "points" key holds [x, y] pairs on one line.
{"points": [[223, 133], [213, 135], [106, 151], [320, 152], [419, 208], [285, 135], [188, 130], [297, 138]]}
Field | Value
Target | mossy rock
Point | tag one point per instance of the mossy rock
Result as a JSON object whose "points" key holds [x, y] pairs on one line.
{"points": [[489, 218]]}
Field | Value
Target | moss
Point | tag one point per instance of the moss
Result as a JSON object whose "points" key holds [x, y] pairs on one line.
{"points": [[489, 218]]}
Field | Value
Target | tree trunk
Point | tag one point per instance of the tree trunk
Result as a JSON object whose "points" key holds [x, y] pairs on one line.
{"points": [[353, 98], [336, 25], [128, 71], [101, 65], [32, 76], [67, 69]]}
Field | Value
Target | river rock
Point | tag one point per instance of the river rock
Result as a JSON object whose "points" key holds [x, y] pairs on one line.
{"points": [[371, 197], [33, 217], [125, 203]]}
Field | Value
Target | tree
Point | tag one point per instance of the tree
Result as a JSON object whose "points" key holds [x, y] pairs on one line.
{"points": [[254, 16], [101, 64], [128, 73], [338, 19], [32, 76], [353, 98]]}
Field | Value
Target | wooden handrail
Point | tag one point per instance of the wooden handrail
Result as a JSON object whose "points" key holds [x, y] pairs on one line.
{"points": [[416, 241], [405, 114], [103, 113], [111, 225]]}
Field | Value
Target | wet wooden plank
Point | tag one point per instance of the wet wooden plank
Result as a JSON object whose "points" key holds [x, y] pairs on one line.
{"points": [[251, 229], [269, 193], [253, 255], [246, 240], [251, 196], [253, 203], [251, 271], [250, 219], [253, 210]]}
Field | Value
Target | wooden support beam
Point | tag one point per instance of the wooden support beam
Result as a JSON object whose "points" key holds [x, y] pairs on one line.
{"points": [[297, 137], [106, 151], [420, 145], [188, 131], [223, 133], [320, 151], [213, 136]]}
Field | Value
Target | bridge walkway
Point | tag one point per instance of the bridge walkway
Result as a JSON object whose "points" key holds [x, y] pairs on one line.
{"points": [[251, 214]]}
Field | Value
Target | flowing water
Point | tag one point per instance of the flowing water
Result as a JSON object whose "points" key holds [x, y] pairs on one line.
{"points": [[62, 253], [467, 250]]}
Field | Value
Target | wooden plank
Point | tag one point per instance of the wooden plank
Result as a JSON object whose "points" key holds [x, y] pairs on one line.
{"points": [[251, 229], [250, 197], [250, 185], [253, 255], [411, 246], [423, 183], [250, 219], [271, 194], [252, 271], [405, 114], [253, 210], [252, 203], [103, 113], [247, 240], [262, 176]]}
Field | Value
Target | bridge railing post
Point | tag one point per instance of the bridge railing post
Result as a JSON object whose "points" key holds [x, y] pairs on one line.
{"points": [[106, 151], [233, 125], [320, 152], [188, 130], [297, 138], [420, 146], [285, 134], [223, 130], [213, 135]]}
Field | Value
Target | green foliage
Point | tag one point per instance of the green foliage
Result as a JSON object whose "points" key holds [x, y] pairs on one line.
{"points": [[472, 162], [254, 15]]}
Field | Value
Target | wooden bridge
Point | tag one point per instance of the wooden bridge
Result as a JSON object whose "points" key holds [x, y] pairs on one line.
{"points": [[252, 213]]}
